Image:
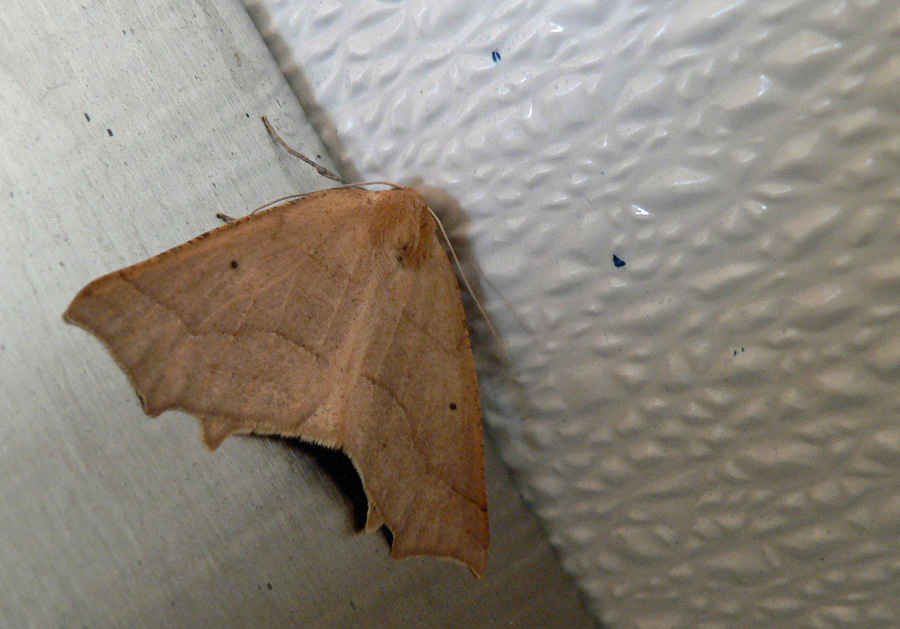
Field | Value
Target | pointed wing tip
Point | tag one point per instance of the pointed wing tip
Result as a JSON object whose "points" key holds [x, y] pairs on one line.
{"points": [[70, 316], [79, 300], [373, 520], [214, 433], [81, 312]]}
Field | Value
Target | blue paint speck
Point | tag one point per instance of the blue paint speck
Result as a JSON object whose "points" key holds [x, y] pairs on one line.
{"points": [[619, 262], [495, 56]]}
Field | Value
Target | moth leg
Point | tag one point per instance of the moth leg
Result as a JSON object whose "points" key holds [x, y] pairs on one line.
{"points": [[319, 168]]}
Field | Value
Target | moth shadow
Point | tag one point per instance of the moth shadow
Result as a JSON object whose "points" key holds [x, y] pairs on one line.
{"points": [[343, 474], [315, 113]]}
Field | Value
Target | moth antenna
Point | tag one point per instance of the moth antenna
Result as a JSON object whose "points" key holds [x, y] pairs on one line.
{"points": [[300, 195], [468, 286], [290, 197], [319, 168]]}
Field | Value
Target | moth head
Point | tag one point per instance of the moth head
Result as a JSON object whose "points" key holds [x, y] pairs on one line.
{"points": [[403, 227]]}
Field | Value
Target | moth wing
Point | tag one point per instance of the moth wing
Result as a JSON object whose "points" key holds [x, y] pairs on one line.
{"points": [[421, 452], [235, 326]]}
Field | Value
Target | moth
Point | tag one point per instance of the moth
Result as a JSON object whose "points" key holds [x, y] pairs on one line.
{"points": [[334, 318]]}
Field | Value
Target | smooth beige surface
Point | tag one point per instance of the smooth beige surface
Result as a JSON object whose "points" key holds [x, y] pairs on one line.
{"points": [[126, 126]]}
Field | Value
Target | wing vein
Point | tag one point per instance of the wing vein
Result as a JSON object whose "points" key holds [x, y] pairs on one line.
{"points": [[195, 333]]}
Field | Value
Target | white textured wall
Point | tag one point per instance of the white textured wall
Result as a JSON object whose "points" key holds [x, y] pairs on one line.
{"points": [[709, 433]]}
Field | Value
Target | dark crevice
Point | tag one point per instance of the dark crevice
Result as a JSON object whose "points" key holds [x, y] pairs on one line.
{"points": [[339, 468]]}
